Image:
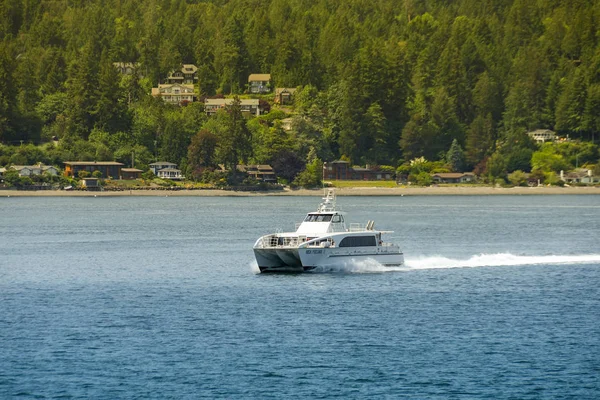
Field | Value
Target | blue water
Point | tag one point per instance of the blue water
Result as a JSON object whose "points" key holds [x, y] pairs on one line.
{"points": [[135, 297]]}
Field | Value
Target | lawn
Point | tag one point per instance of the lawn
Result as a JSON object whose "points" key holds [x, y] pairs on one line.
{"points": [[350, 184]]}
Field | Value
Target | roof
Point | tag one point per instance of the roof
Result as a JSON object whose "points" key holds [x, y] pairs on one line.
{"points": [[189, 68], [105, 163], [259, 77], [540, 131], [220, 102], [282, 89], [169, 170], [162, 163], [453, 174], [131, 170], [339, 162]]}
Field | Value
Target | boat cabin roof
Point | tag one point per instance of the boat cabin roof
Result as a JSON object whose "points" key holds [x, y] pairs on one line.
{"points": [[322, 222]]}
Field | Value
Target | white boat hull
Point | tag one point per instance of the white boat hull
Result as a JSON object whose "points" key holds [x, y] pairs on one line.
{"points": [[306, 259]]}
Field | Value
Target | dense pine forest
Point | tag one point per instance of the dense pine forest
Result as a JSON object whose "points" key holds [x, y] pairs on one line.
{"points": [[452, 85]]}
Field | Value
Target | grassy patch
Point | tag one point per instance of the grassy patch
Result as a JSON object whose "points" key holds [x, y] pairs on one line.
{"points": [[351, 184]]}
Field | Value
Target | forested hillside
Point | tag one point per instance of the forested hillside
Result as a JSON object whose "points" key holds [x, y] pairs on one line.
{"points": [[380, 81]]}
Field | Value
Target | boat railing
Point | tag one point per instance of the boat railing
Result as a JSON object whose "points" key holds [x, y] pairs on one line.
{"points": [[356, 227], [275, 241]]}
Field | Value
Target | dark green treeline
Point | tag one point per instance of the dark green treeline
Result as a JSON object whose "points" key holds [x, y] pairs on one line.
{"points": [[384, 80]]}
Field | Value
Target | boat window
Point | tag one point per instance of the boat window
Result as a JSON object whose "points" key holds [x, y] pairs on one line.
{"points": [[337, 218], [358, 241], [318, 218]]}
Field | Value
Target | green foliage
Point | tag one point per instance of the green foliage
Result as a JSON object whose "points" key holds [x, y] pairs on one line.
{"points": [[455, 157], [547, 159], [517, 178], [422, 179], [201, 152], [311, 177], [378, 82]]}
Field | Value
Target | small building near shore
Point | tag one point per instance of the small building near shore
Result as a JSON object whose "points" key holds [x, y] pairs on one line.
{"points": [[341, 170], [131, 173], [453, 177], [108, 169], [166, 170], [90, 183]]}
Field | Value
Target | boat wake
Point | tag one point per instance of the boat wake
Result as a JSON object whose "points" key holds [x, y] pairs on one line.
{"points": [[438, 262]]}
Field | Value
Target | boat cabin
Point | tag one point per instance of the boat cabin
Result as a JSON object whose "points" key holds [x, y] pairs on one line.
{"points": [[319, 223]]}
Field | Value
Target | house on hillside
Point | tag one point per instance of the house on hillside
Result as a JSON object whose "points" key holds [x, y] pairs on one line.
{"points": [[542, 135], [186, 75], [248, 106], [284, 96], [259, 83], [127, 68], [453, 177], [108, 169], [287, 124], [175, 93]]}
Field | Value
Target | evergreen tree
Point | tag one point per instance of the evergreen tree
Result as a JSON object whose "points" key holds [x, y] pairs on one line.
{"points": [[455, 157]]}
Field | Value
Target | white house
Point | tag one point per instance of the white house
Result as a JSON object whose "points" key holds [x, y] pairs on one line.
{"points": [[542, 135], [250, 106], [166, 170], [174, 93]]}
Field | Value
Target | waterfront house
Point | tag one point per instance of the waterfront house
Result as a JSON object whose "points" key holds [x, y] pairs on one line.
{"points": [[131, 173], [170, 173], [248, 106], [259, 83], [337, 170], [260, 172], [581, 175], [166, 170], [175, 93], [37, 169], [453, 177], [108, 169], [341, 170], [157, 166]]}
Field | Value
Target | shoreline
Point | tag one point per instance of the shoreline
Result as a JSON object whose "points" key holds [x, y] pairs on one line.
{"points": [[354, 191]]}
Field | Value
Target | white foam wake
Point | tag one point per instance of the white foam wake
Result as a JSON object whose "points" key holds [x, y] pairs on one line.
{"points": [[497, 260], [439, 262]]}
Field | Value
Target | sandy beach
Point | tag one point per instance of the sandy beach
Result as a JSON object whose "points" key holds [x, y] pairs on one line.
{"points": [[356, 191]]}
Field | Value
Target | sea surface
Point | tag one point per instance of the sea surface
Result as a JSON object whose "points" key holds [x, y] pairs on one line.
{"points": [[159, 298]]}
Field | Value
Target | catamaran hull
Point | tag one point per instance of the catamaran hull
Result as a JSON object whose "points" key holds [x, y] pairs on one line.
{"points": [[301, 260]]}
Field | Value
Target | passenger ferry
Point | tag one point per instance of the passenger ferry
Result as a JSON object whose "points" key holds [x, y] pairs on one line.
{"points": [[323, 239]]}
